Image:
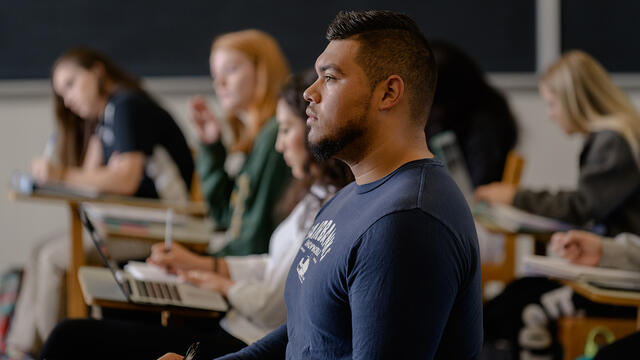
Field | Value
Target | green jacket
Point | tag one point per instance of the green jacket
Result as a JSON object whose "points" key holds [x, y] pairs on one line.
{"points": [[243, 205]]}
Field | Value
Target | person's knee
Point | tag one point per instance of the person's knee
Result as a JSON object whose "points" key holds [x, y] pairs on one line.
{"points": [[54, 256]]}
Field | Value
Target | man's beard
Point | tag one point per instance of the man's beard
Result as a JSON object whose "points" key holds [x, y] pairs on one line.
{"points": [[352, 132], [328, 147]]}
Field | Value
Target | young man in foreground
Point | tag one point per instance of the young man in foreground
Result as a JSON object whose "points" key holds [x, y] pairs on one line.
{"points": [[390, 269]]}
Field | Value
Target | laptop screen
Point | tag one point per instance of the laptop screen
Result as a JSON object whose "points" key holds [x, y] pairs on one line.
{"points": [[103, 251], [446, 148]]}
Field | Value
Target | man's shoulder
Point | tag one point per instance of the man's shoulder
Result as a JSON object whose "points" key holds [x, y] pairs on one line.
{"points": [[426, 185], [430, 190], [422, 185]]}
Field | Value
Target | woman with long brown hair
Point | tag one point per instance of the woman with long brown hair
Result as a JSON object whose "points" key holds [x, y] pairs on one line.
{"points": [[111, 136], [248, 70]]}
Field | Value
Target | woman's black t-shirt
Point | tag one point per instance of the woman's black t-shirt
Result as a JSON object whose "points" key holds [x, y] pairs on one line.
{"points": [[132, 121]]}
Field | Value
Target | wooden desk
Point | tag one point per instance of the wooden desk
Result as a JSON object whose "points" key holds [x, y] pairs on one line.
{"points": [[573, 330], [100, 289], [169, 315], [76, 307], [606, 296], [505, 271]]}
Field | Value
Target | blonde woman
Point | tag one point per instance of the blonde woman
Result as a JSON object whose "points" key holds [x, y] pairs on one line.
{"points": [[583, 100], [248, 70]]}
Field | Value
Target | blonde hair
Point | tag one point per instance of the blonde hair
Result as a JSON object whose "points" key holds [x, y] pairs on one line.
{"points": [[590, 100], [272, 71]]}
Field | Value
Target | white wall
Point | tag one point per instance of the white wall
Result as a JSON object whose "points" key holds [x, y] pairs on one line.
{"points": [[26, 120]]}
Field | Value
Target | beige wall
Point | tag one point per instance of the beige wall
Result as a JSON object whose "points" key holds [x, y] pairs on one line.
{"points": [[26, 121]]}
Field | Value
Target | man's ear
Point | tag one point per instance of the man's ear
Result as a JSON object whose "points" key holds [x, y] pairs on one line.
{"points": [[392, 91]]}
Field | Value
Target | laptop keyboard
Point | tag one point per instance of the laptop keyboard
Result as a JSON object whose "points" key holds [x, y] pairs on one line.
{"points": [[156, 290]]}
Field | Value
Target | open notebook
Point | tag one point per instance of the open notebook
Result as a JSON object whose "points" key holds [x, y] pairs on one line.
{"points": [[123, 221], [507, 217], [562, 269]]}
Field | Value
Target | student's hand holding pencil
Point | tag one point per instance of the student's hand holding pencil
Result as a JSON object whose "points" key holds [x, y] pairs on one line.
{"points": [[177, 258], [579, 247], [207, 126]]}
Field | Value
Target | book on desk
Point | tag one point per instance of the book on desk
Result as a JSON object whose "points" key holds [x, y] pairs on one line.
{"points": [[128, 221], [598, 276], [508, 218]]}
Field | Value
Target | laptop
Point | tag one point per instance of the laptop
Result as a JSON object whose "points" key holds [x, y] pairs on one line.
{"points": [[445, 147], [96, 283]]}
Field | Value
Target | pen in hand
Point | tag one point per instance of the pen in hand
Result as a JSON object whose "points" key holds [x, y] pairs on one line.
{"points": [[168, 229]]}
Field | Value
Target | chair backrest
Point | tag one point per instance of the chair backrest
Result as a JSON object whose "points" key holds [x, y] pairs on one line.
{"points": [[196, 193], [513, 168], [504, 271]]}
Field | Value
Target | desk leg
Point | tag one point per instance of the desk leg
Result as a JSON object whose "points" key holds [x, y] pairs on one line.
{"points": [[638, 319], [76, 308]]}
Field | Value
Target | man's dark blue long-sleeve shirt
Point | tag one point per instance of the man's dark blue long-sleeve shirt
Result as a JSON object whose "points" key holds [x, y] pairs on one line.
{"points": [[389, 269]]}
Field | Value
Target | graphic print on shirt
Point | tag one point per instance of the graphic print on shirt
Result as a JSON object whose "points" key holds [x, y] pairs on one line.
{"points": [[105, 130], [316, 246]]}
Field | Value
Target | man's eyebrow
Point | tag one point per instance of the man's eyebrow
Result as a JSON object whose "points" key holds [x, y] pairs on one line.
{"points": [[330, 66]]}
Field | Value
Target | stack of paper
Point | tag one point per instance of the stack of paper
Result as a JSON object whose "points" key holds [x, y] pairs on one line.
{"points": [[509, 218], [123, 221], [562, 269]]}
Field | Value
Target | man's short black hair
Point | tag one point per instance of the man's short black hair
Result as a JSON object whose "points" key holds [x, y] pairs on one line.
{"points": [[391, 43]]}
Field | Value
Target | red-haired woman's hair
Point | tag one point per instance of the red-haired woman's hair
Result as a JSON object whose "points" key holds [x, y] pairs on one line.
{"points": [[272, 70]]}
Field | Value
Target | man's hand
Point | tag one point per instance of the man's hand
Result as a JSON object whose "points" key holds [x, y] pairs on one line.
{"points": [[579, 247]]}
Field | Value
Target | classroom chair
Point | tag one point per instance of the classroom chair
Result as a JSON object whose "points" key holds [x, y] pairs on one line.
{"points": [[574, 330], [196, 193], [504, 271]]}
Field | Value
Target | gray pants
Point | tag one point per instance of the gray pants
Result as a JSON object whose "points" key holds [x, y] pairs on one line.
{"points": [[42, 300]]}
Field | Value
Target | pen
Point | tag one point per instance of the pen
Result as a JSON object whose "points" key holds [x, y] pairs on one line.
{"points": [[191, 352], [50, 148], [168, 228]]}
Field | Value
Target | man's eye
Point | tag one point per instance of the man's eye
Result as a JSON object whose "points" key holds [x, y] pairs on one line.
{"points": [[329, 78]]}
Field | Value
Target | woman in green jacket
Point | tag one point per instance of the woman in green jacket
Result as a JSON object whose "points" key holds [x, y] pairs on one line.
{"points": [[248, 69]]}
